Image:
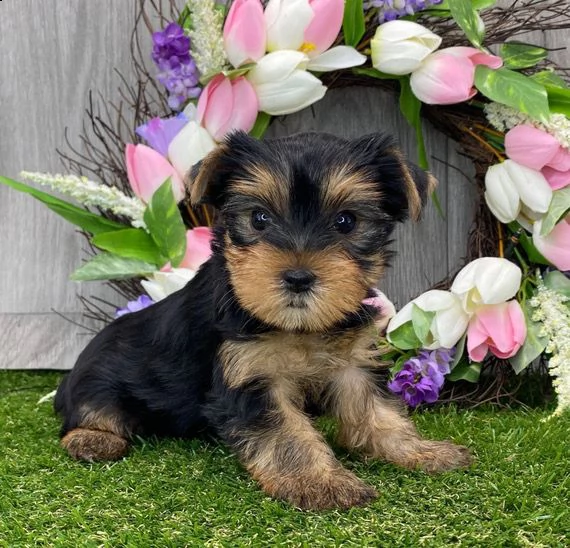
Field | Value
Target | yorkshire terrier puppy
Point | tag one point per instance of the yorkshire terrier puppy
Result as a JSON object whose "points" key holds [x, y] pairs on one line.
{"points": [[273, 324]]}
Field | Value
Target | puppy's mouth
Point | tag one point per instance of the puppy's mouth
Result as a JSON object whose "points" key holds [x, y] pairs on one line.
{"points": [[298, 302]]}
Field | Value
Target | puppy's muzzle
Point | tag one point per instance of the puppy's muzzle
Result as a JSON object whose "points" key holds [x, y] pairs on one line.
{"points": [[299, 280]]}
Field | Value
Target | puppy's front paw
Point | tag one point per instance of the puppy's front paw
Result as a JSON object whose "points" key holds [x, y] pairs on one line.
{"points": [[334, 489], [440, 456]]}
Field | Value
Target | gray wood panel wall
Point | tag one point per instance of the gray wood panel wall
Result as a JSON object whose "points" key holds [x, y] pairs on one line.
{"points": [[52, 57]]}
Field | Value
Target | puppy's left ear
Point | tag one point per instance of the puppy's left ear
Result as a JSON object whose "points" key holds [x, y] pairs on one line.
{"points": [[204, 179], [405, 186]]}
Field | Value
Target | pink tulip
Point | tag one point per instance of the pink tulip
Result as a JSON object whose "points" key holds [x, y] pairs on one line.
{"points": [[324, 27], [446, 76], [530, 146], [538, 150], [147, 170], [244, 32], [500, 328], [554, 246], [226, 105], [198, 249]]}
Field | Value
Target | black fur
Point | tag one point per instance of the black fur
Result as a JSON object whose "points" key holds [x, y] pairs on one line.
{"points": [[156, 370]]}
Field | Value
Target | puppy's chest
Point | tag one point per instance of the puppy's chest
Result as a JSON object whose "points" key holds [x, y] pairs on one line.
{"points": [[300, 358]]}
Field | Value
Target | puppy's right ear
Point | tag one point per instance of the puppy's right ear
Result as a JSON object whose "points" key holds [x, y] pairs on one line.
{"points": [[204, 180]]}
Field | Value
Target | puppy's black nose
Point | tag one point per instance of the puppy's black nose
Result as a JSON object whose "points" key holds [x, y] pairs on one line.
{"points": [[298, 280]]}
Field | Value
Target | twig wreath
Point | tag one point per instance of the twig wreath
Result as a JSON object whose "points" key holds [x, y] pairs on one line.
{"points": [[222, 66]]}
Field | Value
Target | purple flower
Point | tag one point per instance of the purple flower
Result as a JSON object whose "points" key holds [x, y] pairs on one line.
{"points": [[388, 10], [171, 47], [143, 301], [158, 132], [178, 71], [422, 377]]}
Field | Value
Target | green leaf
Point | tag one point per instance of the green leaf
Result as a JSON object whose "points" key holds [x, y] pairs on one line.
{"points": [[106, 266], [373, 73], [230, 73], [533, 345], [421, 321], [518, 55], [482, 4], [459, 351], [90, 222], [469, 20], [549, 78], [353, 25], [534, 256], [559, 205], [261, 124], [558, 99], [404, 337], [556, 281], [411, 106], [165, 224], [132, 243], [514, 90], [465, 371]]}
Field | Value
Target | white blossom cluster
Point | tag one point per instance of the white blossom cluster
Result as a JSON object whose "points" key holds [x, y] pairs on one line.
{"points": [[207, 38], [551, 309], [504, 118], [92, 194]]}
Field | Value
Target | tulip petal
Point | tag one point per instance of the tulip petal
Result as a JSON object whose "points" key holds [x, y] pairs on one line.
{"points": [[245, 105], [488, 280], [300, 90], [148, 169], [443, 79], [532, 187], [501, 194], [477, 346], [323, 29], [190, 145], [286, 22], [476, 56], [530, 147], [277, 66], [244, 32], [554, 246], [198, 247], [556, 179], [336, 58], [216, 106]]}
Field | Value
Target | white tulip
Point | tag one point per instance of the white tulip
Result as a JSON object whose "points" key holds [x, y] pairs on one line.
{"points": [[190, 145], [488, 280], [336, 58], [510, 186], [163, 284], [449, 323], [283, 85], [399, 47], [286, 21]]}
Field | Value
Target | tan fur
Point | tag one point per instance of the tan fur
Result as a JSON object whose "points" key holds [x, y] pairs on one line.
{"points": [[199, 184], [308, 361], [344, 185], [293, 462], [94, 445], [265, 185], [339, 289], [414, 199], [379, 428]]}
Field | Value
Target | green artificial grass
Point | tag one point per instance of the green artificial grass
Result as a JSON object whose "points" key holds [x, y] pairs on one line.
{"points": [[194, 493]]}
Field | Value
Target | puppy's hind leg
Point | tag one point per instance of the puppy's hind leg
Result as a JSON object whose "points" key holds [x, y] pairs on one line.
{"points": [[100, 435]]}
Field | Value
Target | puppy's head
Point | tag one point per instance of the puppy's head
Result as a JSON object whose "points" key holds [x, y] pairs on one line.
{"points": [[306, 220]]}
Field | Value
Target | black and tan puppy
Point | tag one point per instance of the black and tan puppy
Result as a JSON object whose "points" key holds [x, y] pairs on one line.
{"points": [[271, 324]]}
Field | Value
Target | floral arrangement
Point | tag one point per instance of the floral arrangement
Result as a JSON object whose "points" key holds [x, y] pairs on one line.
{"points": [[224, 66]]}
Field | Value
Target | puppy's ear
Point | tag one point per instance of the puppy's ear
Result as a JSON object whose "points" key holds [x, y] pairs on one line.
{"points": [[405, 187], [208, 181], [204, 178]]}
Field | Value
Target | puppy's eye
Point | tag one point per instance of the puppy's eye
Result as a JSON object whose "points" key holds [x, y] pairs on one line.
{"points": [[260, 219], [345, 222]]}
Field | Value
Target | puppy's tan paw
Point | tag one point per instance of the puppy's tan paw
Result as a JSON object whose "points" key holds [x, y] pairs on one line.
{"points": [[94, 445], [441, 456], [337, 489]]}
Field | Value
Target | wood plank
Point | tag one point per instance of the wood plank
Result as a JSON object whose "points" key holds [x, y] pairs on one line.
{"points": [[43, 341]]}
